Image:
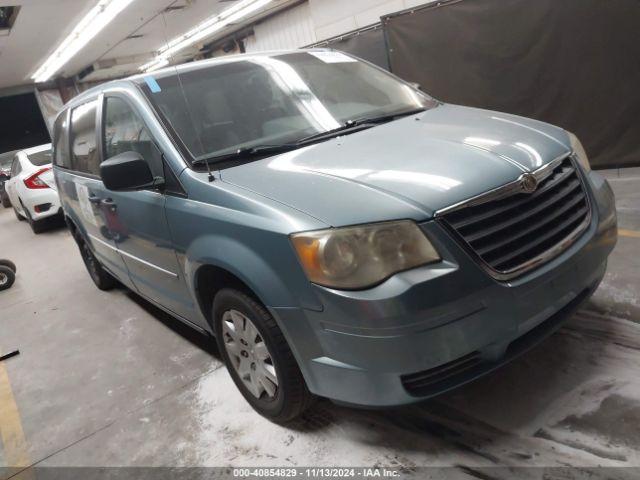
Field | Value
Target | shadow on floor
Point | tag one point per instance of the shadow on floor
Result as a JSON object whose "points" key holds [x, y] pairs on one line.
{"points": [[200, 340]]}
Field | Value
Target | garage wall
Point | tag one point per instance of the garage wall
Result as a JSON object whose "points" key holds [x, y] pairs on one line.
{"points": [[290, 29], [317, 20], [573, 63], [336, 17]]}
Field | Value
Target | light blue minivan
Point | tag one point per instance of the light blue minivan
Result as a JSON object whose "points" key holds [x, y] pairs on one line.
{"points": [[338, 231]]}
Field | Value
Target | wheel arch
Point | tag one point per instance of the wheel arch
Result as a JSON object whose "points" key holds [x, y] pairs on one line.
{"points": [[209, 279]]}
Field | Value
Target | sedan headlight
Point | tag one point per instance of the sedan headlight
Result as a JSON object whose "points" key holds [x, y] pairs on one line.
{"points": [[578, 151], [357, 257]]}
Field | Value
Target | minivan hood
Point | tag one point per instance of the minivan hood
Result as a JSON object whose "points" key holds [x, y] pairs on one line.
{"points": [[409, 168]]}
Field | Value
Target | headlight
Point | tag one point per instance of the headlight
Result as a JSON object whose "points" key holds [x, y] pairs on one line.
{"points": [[358, 257], [578, 151]]}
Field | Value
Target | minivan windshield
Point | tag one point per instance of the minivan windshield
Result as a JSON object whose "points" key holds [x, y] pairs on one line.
{"points": [[230, 106]]}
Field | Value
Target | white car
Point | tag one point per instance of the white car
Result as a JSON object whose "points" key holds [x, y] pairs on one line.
{"points": [[31, 188]]}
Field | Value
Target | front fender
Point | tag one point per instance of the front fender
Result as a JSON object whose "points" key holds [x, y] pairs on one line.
{"points": [[274, 287]]}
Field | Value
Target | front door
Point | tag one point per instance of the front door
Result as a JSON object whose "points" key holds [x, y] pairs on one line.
{"points": [[137, 220]]}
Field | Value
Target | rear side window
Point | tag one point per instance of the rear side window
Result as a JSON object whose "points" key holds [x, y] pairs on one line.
{"points": [[40, 158], [84, 151], [61, 143]]}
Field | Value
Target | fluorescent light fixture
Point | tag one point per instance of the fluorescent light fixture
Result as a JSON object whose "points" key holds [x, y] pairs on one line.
{"points": [[92, 24], [203, 30]]}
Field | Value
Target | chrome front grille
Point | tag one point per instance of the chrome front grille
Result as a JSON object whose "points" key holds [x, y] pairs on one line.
{"points": [[511, 231]]}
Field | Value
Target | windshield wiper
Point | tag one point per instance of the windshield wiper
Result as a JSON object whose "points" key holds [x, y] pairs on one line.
{"points": [[247, 153], [348, 127], [387, 117], [352, 126]]}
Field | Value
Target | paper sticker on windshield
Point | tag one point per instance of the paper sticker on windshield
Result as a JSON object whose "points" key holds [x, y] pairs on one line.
{"points": [[85, 204], [333, 57]]}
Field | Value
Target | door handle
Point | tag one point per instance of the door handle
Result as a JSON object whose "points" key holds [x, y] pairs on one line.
{"points": [[94, 199], [110, 204]]}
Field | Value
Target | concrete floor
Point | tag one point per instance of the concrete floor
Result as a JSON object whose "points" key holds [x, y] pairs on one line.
{"points": [[105, 379]]}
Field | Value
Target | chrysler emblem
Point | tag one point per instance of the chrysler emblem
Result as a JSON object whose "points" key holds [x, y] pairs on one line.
{"points": [[529, 182]]}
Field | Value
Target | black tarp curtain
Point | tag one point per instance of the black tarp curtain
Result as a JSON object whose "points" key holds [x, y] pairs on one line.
{"points": [[572, 63]]}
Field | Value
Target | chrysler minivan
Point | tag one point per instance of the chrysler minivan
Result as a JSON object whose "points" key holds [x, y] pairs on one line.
{"points": [[338, 231]]}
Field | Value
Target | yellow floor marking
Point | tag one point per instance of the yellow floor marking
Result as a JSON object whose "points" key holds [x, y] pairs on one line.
{"points": [[15, 446], [628, 233]]}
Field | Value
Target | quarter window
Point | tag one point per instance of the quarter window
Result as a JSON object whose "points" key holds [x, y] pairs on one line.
{"points": [[125, 131], [15, 168], [84, 151], [61, 145]]}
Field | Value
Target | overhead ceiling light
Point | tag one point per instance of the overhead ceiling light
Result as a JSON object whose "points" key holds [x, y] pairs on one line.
{"points": [[92, 23], [203, 30]]}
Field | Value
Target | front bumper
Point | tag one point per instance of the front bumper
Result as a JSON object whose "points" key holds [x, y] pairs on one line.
{"points": [[408, 339]]}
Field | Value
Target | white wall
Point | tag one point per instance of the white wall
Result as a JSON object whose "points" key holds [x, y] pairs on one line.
{"points": [[317, 20], [290, 29]]}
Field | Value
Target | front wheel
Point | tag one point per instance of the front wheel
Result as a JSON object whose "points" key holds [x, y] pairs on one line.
{"points": [[258, 357]]}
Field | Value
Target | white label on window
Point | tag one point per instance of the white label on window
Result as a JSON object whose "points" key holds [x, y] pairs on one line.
{"points": [[85, 204], [333, 57]]}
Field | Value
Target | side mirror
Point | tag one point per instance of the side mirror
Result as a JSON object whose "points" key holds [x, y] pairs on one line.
{"points": [[127, 171]]}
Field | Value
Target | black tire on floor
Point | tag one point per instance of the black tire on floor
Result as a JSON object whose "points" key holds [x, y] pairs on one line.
{"points": [[6, 203], [8, 263], [102, 279], [7, 277], [292, 396]]}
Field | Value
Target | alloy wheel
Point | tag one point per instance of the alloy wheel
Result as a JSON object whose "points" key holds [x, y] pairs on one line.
{"points": [[249, 354]]}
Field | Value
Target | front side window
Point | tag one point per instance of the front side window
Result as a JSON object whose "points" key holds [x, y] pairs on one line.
{"points": [[267, 100], [125, 131], [84, 151]]}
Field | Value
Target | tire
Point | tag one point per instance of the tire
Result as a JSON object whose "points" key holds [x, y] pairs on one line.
{"points": [[7, 277], [6, 203], [18, 216], [8, 263], [291, 397], [37, 226], [102, 279]]}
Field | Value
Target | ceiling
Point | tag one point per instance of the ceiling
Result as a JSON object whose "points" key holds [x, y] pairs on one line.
{"points": [[41, 26]]}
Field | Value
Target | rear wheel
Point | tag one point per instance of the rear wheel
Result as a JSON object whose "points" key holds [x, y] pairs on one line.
{"points": [[37, 226], [7, 277], [102, 279], [18, 215], [6, 203], [258, 357]]}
